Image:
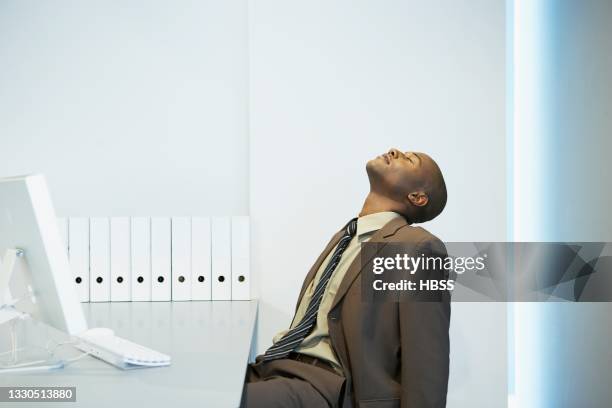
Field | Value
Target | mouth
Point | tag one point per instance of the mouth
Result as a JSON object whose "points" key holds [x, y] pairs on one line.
{"points": [[386, 157]]}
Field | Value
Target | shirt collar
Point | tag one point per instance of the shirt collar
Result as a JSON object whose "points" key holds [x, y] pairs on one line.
{"points": [[373, 222]]}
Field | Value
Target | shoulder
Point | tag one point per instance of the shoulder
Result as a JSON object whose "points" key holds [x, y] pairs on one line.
{"points": [[413, 234], [420, 237]]}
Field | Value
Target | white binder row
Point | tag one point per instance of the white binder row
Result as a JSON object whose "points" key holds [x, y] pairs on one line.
{"points": [[159, 258]]}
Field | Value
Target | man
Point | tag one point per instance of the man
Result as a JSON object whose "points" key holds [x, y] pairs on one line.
{"points": [[342, 351]]}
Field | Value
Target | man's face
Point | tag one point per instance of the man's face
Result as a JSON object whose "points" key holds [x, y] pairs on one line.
{"points": [[396, 174]]}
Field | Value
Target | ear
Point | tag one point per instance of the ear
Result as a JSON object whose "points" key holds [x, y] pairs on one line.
{"points": [[418, 198]]}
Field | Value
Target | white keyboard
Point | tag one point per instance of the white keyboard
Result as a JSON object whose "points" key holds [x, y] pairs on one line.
{"points": [[103, 344]]}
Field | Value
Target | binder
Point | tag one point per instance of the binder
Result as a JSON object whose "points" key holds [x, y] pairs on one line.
{"points": [[160, 259], [78, 236], [120, 282], [99, 260], [62, 224], [241, 276], [200, 259], [181, 258], [141, 259], [221, 258]]}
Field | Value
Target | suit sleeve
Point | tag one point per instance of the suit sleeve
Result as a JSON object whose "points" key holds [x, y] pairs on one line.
{"points": [[424, 326]]}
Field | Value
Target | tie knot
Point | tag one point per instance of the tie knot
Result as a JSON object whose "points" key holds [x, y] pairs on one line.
{"points": [[351, 227]]}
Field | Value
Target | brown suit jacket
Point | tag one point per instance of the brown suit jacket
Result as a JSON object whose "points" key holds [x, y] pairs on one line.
{"points": [[393, 354]]}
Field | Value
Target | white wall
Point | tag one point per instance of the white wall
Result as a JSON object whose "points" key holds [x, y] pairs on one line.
{"points": [[135, 107], [128, 107], [333, 84]]}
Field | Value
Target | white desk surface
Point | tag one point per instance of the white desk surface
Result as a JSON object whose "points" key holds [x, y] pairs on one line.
{"points": [[209, 342]]}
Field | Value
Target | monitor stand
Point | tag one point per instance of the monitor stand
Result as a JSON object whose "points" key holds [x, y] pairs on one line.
{"points": [[13, 264], [18, 303]]}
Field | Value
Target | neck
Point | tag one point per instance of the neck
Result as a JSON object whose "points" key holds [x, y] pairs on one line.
{"points": [[375, 203]]}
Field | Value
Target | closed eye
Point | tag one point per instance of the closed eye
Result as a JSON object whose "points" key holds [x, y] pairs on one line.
{"points": [[415, 155], [407, 155]]}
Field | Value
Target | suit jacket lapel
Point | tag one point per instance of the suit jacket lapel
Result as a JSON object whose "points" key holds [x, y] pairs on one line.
{"points": [[313, 271], [356, 266]]}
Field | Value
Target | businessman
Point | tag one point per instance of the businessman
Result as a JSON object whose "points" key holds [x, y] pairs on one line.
{"points": [[341, 351]]}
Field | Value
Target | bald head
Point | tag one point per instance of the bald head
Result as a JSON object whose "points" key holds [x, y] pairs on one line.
{"points": [[411, 181], [435, 188]]}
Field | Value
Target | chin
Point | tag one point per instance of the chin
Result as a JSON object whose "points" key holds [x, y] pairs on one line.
{"points": [[371, 165], [375, 167], [374, 173], [371, 168]]}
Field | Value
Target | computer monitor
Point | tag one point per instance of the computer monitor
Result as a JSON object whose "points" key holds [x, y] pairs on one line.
{"points": [[29, 225]]}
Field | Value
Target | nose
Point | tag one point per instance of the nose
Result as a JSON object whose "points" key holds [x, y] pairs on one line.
{"points": [[394, 153]]}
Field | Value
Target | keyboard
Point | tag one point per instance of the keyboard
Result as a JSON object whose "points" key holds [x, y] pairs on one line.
{"points": [[122, 353]]}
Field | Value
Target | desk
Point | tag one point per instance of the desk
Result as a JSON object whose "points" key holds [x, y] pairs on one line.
{"points": [[209, 342]]}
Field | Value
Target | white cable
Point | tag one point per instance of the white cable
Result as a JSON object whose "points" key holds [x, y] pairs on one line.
{"points": [[13, 366], [29, 363], [32, 364], [12, 351], [72, 341], [55, 366], [73, 359]]}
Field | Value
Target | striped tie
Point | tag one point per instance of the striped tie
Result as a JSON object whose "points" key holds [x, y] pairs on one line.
{"points": [[294, 337]]}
